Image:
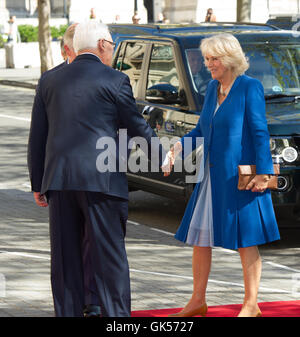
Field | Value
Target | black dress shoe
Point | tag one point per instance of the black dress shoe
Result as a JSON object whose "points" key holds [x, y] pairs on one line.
{"points": [[92, 311]]}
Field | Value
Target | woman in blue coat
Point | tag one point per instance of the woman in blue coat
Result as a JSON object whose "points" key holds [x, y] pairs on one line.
{"points": [[234, 127]]}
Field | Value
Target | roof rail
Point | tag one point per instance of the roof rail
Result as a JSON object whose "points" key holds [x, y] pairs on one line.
{"points": [[160, 26], [131, 25], [240, 24]]}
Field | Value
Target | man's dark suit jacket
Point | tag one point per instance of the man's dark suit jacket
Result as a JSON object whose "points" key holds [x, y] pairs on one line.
{"points": [[74, 106]]}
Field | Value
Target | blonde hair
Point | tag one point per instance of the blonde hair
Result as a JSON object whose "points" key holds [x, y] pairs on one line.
{"points": [[226, 47]]}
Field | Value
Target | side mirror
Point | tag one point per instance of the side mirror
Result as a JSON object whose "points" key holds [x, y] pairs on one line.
{"points": [[164, 93]]}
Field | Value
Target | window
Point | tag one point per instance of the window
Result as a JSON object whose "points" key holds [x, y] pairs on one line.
{"points": [[131, 63], [119, 59], [276, 66], [199, 74], [162, 70]]}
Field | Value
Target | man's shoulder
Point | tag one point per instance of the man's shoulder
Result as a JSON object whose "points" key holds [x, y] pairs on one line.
{"points": [[84, 60], [111, 71], [61, 65], [51, 71]]}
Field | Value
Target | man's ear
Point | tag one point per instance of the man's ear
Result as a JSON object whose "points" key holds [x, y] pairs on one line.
{"points": [[67, 49], [101, 45]]}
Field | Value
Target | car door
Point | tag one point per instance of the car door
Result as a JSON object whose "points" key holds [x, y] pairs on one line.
{"points": [[163, 104], [154, 71]]}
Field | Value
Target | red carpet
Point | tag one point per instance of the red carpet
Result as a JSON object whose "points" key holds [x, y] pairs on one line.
{"points": [[268, 309]]}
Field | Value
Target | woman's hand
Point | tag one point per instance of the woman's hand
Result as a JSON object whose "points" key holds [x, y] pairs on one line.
{"points": [[259, 183], [170, 158], [167, 164], [175, 150]]}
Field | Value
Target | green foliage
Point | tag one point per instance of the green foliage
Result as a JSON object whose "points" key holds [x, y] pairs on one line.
{"points": [[3, 37], [30, 33], [57, 33], [1, 41]]}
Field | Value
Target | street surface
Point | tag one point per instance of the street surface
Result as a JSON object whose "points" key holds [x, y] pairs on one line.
{"points": [[160, 266]]}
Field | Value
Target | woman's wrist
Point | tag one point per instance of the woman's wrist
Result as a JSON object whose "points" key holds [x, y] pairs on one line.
{"points": [[176, 148], [265, 177]]}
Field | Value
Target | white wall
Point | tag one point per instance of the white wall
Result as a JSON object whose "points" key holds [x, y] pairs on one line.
{"points": [[226, 10], [178, 11], [283, 6], [182, 11], [34, 21], [259, 11], [106, 11], [28, 55], [2, 58]]}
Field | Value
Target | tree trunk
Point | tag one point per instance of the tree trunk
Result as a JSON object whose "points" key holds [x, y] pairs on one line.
{"points": [[45, 35], [243, 11]]}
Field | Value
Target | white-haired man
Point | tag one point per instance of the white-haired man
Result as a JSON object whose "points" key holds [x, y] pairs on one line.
{"points": [[62, 162], [92, 307]]}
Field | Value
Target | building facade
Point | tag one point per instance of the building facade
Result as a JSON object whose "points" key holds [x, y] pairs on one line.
{"points": [[121, 11]]}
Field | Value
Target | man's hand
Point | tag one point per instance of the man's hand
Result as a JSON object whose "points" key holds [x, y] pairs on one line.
{"points": [[259, 183], [40, 199]]}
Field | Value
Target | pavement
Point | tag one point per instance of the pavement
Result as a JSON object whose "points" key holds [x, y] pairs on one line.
{"points": [[160, 266], [22, 77]]}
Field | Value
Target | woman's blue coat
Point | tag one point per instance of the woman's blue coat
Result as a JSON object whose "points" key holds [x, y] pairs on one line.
{"points": [[236, 135]]}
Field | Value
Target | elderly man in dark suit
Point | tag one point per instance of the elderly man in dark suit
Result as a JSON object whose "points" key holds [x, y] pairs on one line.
{"points": [[75, 107], [92, 307]]}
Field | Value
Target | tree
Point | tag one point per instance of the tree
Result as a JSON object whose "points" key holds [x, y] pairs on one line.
{"points": [[243, 11], [45, 35]]}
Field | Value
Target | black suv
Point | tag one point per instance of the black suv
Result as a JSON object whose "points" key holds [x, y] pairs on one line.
{"points": [[169, 80]]}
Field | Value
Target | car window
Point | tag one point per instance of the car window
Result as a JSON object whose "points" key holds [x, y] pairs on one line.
{"points": [[198, 72], [276, 66], [162, 69], [295, 56], [129, 61], [119, 58]]}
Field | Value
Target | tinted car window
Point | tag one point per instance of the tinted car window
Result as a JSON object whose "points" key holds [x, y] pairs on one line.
{"points": [[119, 58], [197, 70], [162, 69], [276, 66], [131, 63]]}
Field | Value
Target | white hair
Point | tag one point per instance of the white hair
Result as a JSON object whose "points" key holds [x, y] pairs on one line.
{"points": [[228, 49], [87, 35]]}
